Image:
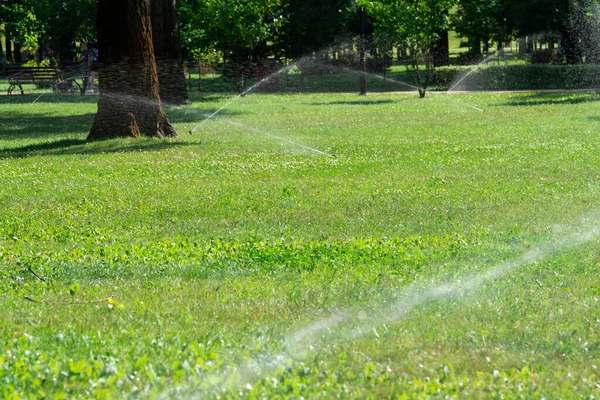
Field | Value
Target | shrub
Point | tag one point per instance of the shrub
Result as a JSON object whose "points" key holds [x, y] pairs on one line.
{"points": [[521, 77], [444, 76], [35, 63]]}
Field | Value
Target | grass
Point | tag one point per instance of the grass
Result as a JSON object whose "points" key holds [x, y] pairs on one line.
{"points": [[222, 249]]}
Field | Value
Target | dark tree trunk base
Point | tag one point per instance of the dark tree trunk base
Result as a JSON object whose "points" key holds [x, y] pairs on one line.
{"points": [[129, 105]]}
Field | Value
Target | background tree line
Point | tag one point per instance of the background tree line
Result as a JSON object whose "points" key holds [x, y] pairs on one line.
{"points": [[250, 30]]}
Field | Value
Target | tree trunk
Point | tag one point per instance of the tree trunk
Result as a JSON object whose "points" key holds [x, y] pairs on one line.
{"points": [[475, 45], [18, 57], [7, 41], [570, 47], [441, 50], [129, 104], [529, 45], [167, 51], [39, 55]]}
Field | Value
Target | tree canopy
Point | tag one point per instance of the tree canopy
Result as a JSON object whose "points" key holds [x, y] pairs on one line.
{"points": [[241, 30]]}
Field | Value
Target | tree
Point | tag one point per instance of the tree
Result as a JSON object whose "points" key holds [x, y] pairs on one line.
{"points": [[67, 22], [129, 103], [238, 29], [56, 23], [415, 23], [22, 26], [167, 52], [481, 20], [580, 32], [312, 25]]}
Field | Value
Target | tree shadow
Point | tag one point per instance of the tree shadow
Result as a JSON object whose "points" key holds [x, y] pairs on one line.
{"points": [[42, 122], [545, 99], [355, 102], [73, 146], [595, 118], [30, 98], [18, 125]]}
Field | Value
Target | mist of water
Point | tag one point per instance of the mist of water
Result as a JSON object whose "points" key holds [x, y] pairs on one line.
{"points": [[471, 70], [263, 132], [37, 98], [387, 79], [244, 93]]}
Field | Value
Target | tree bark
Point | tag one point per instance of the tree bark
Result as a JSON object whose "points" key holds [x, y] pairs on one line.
{"points": [[17, 50], [7, 41], [167, 50], [570, 47], [8, 38], [441, 50], [129, 104], [475, 45]]}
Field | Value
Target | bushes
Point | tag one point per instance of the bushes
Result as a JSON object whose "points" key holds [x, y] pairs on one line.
{"points": [[520, 77]]}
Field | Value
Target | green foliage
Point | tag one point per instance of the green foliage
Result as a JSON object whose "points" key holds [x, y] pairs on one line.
{"points": [[70, 21], [35, 63], [239, 29], [533, 17], [58, 24], [24, 23], [481, 21], [313, 25], [416, 24]]}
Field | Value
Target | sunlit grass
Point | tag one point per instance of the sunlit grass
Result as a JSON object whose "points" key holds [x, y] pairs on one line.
{"points": [[218, 247]]}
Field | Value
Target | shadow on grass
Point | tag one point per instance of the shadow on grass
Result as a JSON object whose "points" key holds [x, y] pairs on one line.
{"points": [[29, 98], [595, 118], [45, 123], [19, 125], [545, 99], [83, 147], [365, 102]]}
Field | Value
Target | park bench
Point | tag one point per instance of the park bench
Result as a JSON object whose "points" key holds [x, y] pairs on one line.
{"points": [[43, 76]]}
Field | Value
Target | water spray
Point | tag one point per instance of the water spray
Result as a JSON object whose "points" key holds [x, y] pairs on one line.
{"points": [[37, 98], [329, 329], [353, 71], [471, 70], [244, 93], [279, 138]]}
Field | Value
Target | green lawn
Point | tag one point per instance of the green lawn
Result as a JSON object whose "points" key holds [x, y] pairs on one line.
{"points": [[294, 245]]}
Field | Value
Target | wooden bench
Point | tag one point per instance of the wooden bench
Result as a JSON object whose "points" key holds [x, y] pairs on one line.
{"points": [[46, 76]]}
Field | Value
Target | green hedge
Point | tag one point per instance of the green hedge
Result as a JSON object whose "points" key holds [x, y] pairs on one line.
{"points": [[520, 77]]}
